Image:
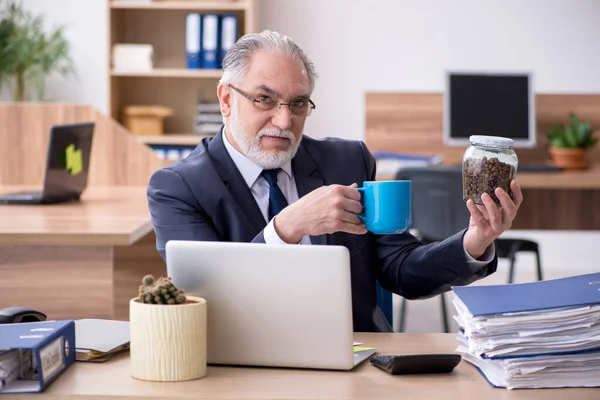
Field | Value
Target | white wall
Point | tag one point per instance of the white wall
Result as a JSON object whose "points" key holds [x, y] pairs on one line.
{"points": [[384, 45], [86, 31], [405, 45]]}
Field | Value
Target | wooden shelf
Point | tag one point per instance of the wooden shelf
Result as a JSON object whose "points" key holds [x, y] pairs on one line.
{"points": [[171, 139], [173, 73], [162, 24], [237, 5]]}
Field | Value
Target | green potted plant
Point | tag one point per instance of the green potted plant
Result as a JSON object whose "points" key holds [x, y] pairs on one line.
{"points": [[569, 143], [29, 54], [168, 333]]}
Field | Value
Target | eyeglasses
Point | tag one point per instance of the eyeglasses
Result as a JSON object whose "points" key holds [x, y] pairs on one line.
{"points": [[300, 108]]}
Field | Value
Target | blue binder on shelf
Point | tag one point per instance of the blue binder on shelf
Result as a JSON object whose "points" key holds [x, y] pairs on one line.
{"points": [[581, 290], [34, 354], [209, 40], [228, 35], [192, 40]]}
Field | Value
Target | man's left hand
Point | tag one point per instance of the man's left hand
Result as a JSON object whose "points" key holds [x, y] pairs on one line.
{"points": [[488, 221]]}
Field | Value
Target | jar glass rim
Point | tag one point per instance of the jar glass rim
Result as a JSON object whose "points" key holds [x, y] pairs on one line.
{"points": [[491, 141]]}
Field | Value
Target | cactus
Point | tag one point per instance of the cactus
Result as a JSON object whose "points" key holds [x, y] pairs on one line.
{"points": [[160, 291]]}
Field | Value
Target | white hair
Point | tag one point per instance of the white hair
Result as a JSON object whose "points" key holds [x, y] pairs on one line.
{"points": [[238, 56]]}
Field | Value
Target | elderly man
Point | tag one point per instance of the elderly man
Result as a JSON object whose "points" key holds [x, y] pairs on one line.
{"points": [[262, 180]]}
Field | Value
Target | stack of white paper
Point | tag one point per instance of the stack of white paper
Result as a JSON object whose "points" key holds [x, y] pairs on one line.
{"points": [[13, 365], [519, 337], [99, 339]]}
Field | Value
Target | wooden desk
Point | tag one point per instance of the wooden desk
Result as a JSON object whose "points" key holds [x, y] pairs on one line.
{"points": [[579, 180], [566, 200], [105, 216], [584, 179], [79, 259], [113, 381]]}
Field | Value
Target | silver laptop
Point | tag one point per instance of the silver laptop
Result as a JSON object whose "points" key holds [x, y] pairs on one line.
{"points": [[271, 305]]}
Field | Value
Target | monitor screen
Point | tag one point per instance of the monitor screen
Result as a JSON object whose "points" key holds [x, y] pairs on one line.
{"points": [[489, 104]]}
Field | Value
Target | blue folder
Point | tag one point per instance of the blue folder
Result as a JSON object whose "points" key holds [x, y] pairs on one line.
{"points": [[210, 41], [45, 350], [228, 35], [581, 290], [192, 40]]}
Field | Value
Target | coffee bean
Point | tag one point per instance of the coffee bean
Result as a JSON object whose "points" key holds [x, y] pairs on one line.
{"points": [[484, 176]]}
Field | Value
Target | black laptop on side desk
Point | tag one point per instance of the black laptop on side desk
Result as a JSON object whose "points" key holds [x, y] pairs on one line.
{"points": [[67, 166]]}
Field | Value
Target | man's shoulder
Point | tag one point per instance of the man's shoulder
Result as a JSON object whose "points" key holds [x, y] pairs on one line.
{"points": [[340, 159], [328, 144]]}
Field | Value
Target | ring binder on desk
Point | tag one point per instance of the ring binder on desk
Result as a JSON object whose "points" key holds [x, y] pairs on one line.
{"points": [[34, 354]]}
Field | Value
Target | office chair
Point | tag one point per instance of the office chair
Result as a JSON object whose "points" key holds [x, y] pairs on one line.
{"points": [[439, 211], [384, 300]]}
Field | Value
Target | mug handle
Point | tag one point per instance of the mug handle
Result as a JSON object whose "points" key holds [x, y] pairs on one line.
{"points": [[362, 192]]}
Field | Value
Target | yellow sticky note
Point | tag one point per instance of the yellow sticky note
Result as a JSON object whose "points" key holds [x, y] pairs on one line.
{"points": [[74, 160], [358, 348]]}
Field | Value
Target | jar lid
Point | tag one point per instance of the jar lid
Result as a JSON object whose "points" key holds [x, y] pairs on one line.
{"points": [[496, 141]]}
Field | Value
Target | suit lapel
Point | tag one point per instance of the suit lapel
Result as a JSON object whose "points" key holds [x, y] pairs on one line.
{"points": [[235, 182], [305, 171], [307, 178]]}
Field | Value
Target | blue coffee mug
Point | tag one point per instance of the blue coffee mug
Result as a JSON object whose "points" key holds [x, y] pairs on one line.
{"points": [[387, 206]]}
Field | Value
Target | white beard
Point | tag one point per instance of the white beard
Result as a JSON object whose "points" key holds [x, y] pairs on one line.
{"points": [[250, 147]]}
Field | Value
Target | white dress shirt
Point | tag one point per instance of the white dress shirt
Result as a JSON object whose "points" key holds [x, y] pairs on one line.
{"points": [[285, 180], [260, 188]]}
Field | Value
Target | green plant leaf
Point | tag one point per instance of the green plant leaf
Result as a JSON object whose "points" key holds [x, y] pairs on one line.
{"points": [[570, 136], [583, 133], [555, 131], [29, 54], [574, 119], [557, 137], [575, 134]]}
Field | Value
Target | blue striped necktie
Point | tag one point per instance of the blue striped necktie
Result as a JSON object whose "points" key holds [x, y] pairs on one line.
{"points": [[277, 201]]}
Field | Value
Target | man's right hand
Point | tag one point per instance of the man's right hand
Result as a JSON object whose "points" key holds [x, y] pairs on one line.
{"points": [[327, 209]]}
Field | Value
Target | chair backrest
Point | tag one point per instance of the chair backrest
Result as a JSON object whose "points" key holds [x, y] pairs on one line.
{"points": [[384, 300], [438, 208]]}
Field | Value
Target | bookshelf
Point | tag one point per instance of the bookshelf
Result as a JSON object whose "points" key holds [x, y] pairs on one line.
{"points": [[161, 23], [172, 73], [180, 5], [172, 139]]}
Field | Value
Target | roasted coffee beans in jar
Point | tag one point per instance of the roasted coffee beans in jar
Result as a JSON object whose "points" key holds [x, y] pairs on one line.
{"points": [[488, 163]]}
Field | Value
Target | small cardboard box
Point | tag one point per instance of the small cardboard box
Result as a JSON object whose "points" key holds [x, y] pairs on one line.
{"points": [[146, 120]]}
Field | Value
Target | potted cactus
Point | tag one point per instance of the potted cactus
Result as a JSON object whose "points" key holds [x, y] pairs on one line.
{"points": [[569, 143], [168, 333]]}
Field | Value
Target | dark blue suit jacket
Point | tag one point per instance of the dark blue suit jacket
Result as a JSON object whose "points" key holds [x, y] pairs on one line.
{"points": [[204, 197]]}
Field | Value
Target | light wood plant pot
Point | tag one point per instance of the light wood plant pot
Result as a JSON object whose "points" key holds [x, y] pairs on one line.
{"points": [[168, 342], [569, 158]]}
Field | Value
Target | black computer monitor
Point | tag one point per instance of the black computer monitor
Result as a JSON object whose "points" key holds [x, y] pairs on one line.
{"points": [[493, 104]]}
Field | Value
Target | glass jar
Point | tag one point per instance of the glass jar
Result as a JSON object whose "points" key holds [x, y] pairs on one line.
{"points": [[489, 162]]}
